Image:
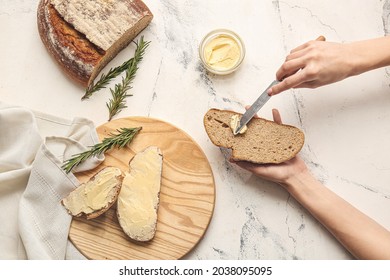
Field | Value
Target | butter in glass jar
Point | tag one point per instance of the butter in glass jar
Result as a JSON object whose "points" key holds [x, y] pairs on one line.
{"points": [[221, 51]]}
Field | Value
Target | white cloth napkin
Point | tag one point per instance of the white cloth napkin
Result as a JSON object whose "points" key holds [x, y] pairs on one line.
{"points": [[33, 223]]}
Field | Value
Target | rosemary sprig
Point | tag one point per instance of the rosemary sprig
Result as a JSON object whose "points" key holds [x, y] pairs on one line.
{"points": [[120, 140], [119, 93], [106, 78]]}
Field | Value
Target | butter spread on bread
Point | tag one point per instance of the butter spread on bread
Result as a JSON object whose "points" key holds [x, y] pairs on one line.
{"points": [[264, 141], [235, 122], [84, 35], [138, 200], [95, 196]]}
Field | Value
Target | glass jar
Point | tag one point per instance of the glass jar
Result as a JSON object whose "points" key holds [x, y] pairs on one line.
{"points": [[222, 51]]}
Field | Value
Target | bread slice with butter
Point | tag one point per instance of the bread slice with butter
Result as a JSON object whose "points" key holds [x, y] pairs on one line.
{"points": [[263, 142], [84, 35], [138, 200], [96, 196]]}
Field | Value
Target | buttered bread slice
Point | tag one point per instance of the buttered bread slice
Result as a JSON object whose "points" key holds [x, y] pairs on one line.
{"points": [[84, 35], [96, 196], [138, 200], [263, 142]]}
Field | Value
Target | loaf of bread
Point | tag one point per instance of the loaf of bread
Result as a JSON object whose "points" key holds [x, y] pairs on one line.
{"points": [[96, 196], [84, 35], [138, 200], [264, 141]]}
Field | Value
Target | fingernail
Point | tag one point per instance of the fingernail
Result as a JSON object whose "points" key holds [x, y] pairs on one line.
{"points": [[269, 91]]}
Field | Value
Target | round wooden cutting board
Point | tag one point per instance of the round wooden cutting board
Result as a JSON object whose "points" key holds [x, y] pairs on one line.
{"points": [[186, 200]]}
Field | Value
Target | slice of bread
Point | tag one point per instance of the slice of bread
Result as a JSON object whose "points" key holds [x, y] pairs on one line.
{"points": [[138, 200], [96, 196], [84, 35], [264, 142]]}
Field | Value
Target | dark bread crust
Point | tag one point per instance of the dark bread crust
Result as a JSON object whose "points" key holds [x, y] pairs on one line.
{"points": [[70, 49], [80, 59], [264, 142]]}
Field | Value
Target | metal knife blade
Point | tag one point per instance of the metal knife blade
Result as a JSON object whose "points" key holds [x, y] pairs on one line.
{"points": [[251, 112]]}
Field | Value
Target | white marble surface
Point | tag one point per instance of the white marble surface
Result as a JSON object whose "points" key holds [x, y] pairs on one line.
{"points": [[346, 124]]}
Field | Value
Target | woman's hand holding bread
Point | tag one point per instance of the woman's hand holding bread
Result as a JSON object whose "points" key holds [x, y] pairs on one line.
{"points": [[279, 173]]}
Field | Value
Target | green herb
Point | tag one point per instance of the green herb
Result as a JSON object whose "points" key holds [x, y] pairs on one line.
{"points": [[119, 93], [120, 140], [105, 79]]}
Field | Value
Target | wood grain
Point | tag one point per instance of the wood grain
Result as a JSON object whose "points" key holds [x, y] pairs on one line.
{"points": [[187, 197]]}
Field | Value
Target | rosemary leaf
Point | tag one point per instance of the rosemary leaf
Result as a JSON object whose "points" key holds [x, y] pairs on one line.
{"points": [[120, 140], [119, 93]]}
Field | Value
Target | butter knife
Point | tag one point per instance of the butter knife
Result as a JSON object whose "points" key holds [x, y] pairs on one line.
{"points": [[263, 98], [251, 112]]}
